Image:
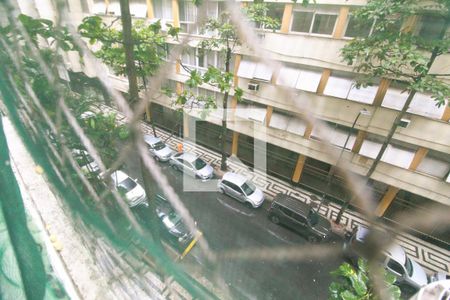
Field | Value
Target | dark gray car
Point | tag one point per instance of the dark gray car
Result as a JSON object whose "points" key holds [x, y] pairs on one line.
{"points": [[301, 217]]}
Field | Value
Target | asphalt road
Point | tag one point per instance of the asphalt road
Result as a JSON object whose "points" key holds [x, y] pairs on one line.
{"points": [[229, 225]]}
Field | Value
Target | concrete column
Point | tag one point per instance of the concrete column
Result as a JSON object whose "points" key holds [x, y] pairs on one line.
{"points": [[177, 67], [287, 16], [299, 168], [150, 10], [179, 88], [308, 130], [269, 112], [185, 125], [237, 63], [235, 143], [176, 13], [323, 81], [418, 157], [381, 92], [359, 140], [446, 115], [341, 22], [386, 201]]}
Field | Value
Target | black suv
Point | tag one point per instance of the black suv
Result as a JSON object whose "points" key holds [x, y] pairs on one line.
{"points": [[300, 217]]}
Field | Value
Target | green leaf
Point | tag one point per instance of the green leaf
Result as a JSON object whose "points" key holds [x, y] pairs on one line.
{"points": [[347, 295]]}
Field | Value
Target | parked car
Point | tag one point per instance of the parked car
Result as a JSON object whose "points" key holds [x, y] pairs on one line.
{"points": [[301, 217], [241, 189], [157, 148], [172, 222], [394, 258], [192, 165], [85, 161], [133, 191]]}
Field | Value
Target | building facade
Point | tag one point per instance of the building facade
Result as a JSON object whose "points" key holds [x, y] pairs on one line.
{"points": [[309, 78]]}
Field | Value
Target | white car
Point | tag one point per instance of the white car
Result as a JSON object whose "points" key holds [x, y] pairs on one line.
{"points": [[192, 165], [133, 191], [242, 189], [394, 259], [157, 148]]}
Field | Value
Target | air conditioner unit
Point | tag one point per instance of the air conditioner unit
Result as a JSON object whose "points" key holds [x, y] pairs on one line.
{"points": [[253, 86], [404, 122]]}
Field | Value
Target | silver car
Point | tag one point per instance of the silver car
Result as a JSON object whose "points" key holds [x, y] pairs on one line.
{"points": [[192, 165], [133, 191], [242, 189], [157, 148]]}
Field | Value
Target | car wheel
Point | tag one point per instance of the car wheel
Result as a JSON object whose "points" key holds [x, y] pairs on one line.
{"points": [[221, 190], [275, 219], [248, 204], [157, 158], [312, 239]]}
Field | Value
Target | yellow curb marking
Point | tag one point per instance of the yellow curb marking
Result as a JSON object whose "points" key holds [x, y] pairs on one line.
{"points": [[191, 244]]}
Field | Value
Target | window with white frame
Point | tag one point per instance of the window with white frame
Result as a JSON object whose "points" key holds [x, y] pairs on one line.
{"points": [[99, 7], [394, 98], [318, 22], [308, 80], [162, 9], [338, 86], [255, 70], [425, 105], [287, 122], [371, 146], [114, 8], [251, 110], [399, 154], [200, 59], [357, 28], [435, 164], [138, 8], [335, 134], [188, 17]]}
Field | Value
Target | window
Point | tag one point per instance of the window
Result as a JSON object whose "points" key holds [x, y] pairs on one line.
{"points": [[286, 211], [254, 70], [430, 27], [435, 164], [357, 28], [395, 267], [188, 17], [299, 218], [324, 24], [99, 7], [313, 22], [424, 105], [301, 21], [138, 8], [338, 86], [371, 146], [114, 8], [162, 9], [251, 111], [399, 154], [84, 6]]}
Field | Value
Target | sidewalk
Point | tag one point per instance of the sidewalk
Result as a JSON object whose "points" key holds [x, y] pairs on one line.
{"points": [[431, 257]]}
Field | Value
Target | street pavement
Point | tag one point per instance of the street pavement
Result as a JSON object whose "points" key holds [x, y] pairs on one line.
{"points": [[229, 225]]}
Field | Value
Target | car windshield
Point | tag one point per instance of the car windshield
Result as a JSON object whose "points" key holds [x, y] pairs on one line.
{"points": [[199, 164], [313, 217], [249, 188], [127, 185], [159, 145], [171, 220], [408, 266]]}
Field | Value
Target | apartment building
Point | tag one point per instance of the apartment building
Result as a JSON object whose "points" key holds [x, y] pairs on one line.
{"points": [[312, 79]]}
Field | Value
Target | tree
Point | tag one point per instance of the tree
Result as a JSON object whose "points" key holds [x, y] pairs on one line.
{"points": [[222, 37], [149, 47], [355, 283], [396, 51]]}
